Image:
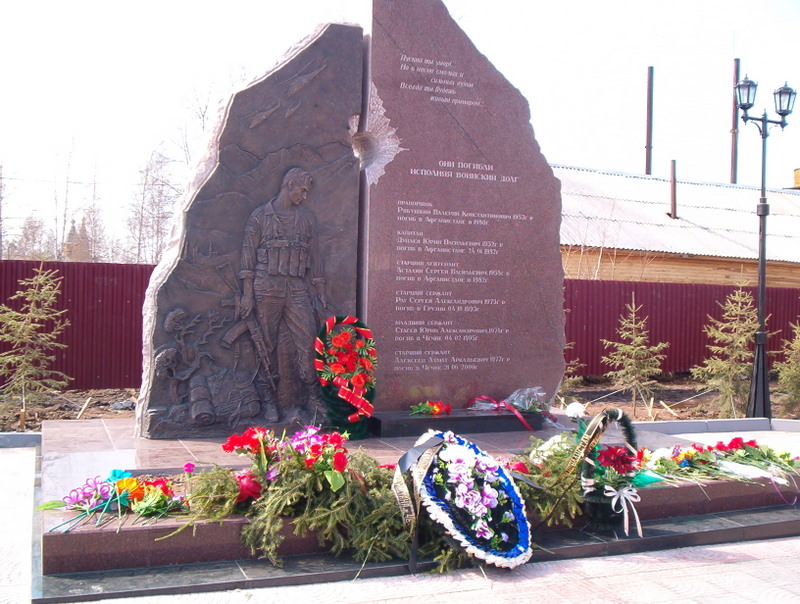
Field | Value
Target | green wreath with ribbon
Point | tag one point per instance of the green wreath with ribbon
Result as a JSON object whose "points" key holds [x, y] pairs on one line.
{"points": [[345, 360], [607, 473]]}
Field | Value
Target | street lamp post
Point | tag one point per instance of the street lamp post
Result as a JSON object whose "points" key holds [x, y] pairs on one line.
{"points": [[758, 404]]}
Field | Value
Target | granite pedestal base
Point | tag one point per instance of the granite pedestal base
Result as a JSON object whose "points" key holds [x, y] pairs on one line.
{"points": [[75, 450]]}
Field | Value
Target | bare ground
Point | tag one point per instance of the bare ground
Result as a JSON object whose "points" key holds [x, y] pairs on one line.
{"points": [[677, 397]]}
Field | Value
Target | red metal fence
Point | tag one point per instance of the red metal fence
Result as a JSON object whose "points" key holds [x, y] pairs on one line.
{"points": [[104, 302], [105, 308], [677, 313]]}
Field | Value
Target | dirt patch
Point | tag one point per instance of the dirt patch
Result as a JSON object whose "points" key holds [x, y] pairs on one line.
{"points": [[70, 404], [677, 397]]}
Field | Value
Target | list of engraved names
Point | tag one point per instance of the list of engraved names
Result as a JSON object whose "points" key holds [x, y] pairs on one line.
{"points": [[452, 277], [453, 269]]}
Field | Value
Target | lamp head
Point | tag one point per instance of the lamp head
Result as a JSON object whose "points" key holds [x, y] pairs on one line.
{"points": [[784, 100], [746, 93]]}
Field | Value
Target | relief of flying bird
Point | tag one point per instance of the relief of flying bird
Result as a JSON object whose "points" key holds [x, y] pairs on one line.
{"points": [[262, 116], [301, 81]]}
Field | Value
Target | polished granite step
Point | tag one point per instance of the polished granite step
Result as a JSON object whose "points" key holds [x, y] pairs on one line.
{"points": [[71, 451], [664, 533]]}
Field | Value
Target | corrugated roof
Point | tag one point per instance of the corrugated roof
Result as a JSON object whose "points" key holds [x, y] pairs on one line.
{"points": [[624, 211]]}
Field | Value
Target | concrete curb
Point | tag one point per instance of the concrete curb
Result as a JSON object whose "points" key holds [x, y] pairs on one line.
{"points": [[10, 440], [745, 424]]}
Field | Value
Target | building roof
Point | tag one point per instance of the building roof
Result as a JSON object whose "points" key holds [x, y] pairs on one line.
{"points": [[622, 211]]}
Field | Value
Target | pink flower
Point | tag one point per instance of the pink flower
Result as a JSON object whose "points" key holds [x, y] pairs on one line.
{"points": [[188, 467], [249, 487]]}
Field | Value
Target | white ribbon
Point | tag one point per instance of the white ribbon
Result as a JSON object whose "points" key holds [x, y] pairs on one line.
{"points": [[620, 500]]}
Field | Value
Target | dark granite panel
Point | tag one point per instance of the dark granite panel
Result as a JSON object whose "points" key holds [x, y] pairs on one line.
{"points": [[464, 277]]}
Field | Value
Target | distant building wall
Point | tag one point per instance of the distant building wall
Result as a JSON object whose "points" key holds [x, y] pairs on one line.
{"points": [[610, 264], [105, 309]]}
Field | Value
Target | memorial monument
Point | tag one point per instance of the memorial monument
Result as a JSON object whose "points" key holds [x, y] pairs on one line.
{"points": [[417, 185], [265, 251]]}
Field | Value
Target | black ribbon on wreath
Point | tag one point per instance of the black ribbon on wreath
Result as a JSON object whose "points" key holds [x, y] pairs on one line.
{"points": [[345, 360]]}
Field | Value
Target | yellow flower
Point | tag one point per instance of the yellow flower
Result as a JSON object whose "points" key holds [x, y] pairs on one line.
{"points": [[130, 484]]}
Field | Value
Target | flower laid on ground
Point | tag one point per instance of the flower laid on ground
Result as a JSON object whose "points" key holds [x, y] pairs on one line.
{"points": [[323, 453], [249, 486], [575, 410], [737, 459], [474, 499], [260, 445], [103, 500], [431, 408]]}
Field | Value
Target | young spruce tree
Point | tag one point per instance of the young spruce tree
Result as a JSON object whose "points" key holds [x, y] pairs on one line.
{"points": [[634, 360], [789, 369], [31, 335], [728, 368]]}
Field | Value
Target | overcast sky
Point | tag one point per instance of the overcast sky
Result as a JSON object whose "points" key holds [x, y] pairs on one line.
{"points": [[91, 88]]}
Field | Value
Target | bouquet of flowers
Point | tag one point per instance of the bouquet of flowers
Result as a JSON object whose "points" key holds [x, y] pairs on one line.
{"points": [[738, 459], [345, 362], [431, 408], [693, 462], [529, 405], [323, 453], [105, 500]]}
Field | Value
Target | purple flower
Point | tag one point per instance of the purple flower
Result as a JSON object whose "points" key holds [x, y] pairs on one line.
{"points": [[460, 473], [188, 467], [485, 464], [272, 473], [470, 500], [88, 495], [303, 440], [489, 498], [482, 530]]}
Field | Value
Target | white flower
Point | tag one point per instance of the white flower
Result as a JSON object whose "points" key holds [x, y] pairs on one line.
{"points": [[575, 410], [662, 453], [458, 454], [563, 441]]}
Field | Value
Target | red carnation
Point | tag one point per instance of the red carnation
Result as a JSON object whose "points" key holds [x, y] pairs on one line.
{"points": [[339, 461], [616, 457], [518, 466], [341, 339]]}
